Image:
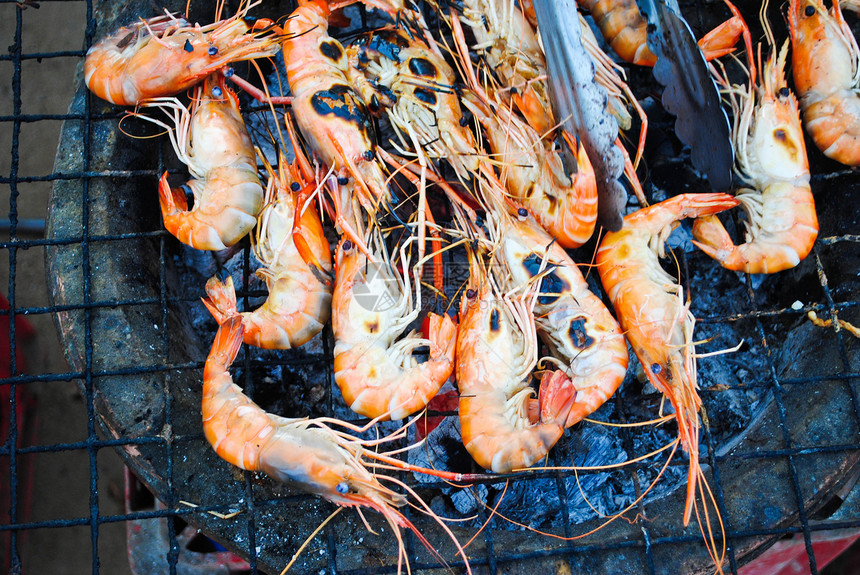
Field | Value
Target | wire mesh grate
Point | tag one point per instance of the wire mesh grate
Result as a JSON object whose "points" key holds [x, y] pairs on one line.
{"points": [[103, 217]]}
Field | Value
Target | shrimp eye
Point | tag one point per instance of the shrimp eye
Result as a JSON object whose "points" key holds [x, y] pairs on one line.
{"points": [[784, 92], [342, 180], [470, 293], [216, 91], [347, 245], [213, 50], [522, 213], [810, 10], [228, 73], [342, 488], [188, 47], [656, 368], [295, 186], [368, 155]]}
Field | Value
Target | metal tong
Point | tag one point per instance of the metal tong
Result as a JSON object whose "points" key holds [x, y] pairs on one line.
{"points": [[580, 103], [689, 93]]}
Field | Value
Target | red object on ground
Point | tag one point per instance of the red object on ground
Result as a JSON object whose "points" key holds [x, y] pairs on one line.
{"points": [[788, 556], [446, 401], [149, 542], [25, 426]]}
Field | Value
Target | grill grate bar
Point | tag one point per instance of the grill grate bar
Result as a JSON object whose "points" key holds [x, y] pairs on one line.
{"points": [[783, 428], [12, 437], [843, 353]]}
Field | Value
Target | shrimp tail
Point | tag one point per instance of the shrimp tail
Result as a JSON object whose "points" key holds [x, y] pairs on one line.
{"points": [[225, 348], [172, 200], [180, 221], [442, 332], [221, 300], [556, 395], [712, 238]]}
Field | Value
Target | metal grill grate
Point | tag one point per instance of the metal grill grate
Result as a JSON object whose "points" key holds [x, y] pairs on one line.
{"points": [[130, 341]]}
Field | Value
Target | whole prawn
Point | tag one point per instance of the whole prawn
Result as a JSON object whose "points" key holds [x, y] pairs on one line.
{"points": [[212, 140], [307, 453], [398, 71], [650, 308], [770, 155], [164, 55], [372, 306], [826, 67], [511, 48], [566, 205], [330, 114], [298, 274], [502, 426], [579, 330]]}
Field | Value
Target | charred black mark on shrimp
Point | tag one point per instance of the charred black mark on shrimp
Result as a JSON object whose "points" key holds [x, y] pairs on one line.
{"points": [[494, 320], [340, 101], [423, 67], [388, 45], [426, 96], [578, 334], [128, 39], [551, 286], [331, 50]]}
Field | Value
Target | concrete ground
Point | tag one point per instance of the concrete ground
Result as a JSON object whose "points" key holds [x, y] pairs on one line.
{"points": [[59, 482]]}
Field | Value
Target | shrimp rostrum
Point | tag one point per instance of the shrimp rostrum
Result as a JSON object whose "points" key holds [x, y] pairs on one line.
{"points": [[650, 307], [375, 368], [770, 156], [311, 454], [165, 55], [213, 141]]}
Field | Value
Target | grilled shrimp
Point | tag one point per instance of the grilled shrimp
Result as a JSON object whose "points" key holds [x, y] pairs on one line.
{"points": [[298, 275], [511, 48], [214, 143], [770, 155], [307, 453], [415, 85], [565, 205], [330, 114], [574, 323], [503, 427], [164, 55], [372, 306], [650, 308], [826, 67], [625, 30]]}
